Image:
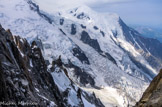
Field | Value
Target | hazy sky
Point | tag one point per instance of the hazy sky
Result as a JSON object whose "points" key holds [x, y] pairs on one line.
{"points": [[140, 12]]}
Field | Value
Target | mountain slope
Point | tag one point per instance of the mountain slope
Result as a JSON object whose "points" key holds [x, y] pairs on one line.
{"points": [[101, 54], [25, 79], [24, 74]]}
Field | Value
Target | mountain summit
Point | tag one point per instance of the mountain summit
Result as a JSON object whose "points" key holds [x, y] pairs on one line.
{"points": [[96, 52]]}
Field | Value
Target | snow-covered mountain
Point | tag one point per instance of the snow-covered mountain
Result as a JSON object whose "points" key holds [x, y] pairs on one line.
{"points": [[99, 51], [26, 80]]}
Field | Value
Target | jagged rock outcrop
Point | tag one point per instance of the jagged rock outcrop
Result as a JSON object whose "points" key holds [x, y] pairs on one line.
{"points": [[152, 97], [101, 57], [70, 91], [26, 80], [23, 72]]}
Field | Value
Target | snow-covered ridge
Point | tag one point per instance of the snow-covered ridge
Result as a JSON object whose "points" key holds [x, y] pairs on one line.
{"points": [[25, 70], [65, 33]]}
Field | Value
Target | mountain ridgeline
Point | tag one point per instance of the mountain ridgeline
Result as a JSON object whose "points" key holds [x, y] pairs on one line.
{"points": [[76, 57]]}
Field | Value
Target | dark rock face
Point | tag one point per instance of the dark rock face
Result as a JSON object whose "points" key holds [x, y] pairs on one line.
{"points": [[108, 56], [39, 43], [3, 91], [24, 76], [92, 99], [152, 97], [85, 78], [103, 34], [94, 44], [23, 73], [84, 27], [61, 21], [35, 8], [149, 48], [95, 27], [73, 29], [62, 32], [83, 16], [77, 52]]}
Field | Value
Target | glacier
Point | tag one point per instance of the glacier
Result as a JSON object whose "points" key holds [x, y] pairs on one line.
{"points": [[115, 59]]}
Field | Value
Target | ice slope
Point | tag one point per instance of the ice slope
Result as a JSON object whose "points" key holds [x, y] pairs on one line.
{"points": [[109, 24], [103, 31], [17, 16], [109, 96], [65, 85], [25, 77]]}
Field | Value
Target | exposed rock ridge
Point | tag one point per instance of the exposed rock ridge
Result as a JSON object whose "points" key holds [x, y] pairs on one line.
{"points": [[152, 97], [25, 77]]}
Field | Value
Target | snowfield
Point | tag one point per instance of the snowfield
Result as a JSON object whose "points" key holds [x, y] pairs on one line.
{"points": [[119, 79]]}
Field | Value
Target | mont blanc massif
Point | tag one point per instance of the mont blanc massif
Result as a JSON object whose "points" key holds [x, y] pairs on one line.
{"points": [[75, 58]]}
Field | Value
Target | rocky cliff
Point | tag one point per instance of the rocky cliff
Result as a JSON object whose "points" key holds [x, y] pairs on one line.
{"points": [[152, 97], [100, 53], [25, 78]]}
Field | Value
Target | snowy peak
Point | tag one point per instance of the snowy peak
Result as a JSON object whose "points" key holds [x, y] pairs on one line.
{"points": [[89, 16], [93, 51], [82, 8]]}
